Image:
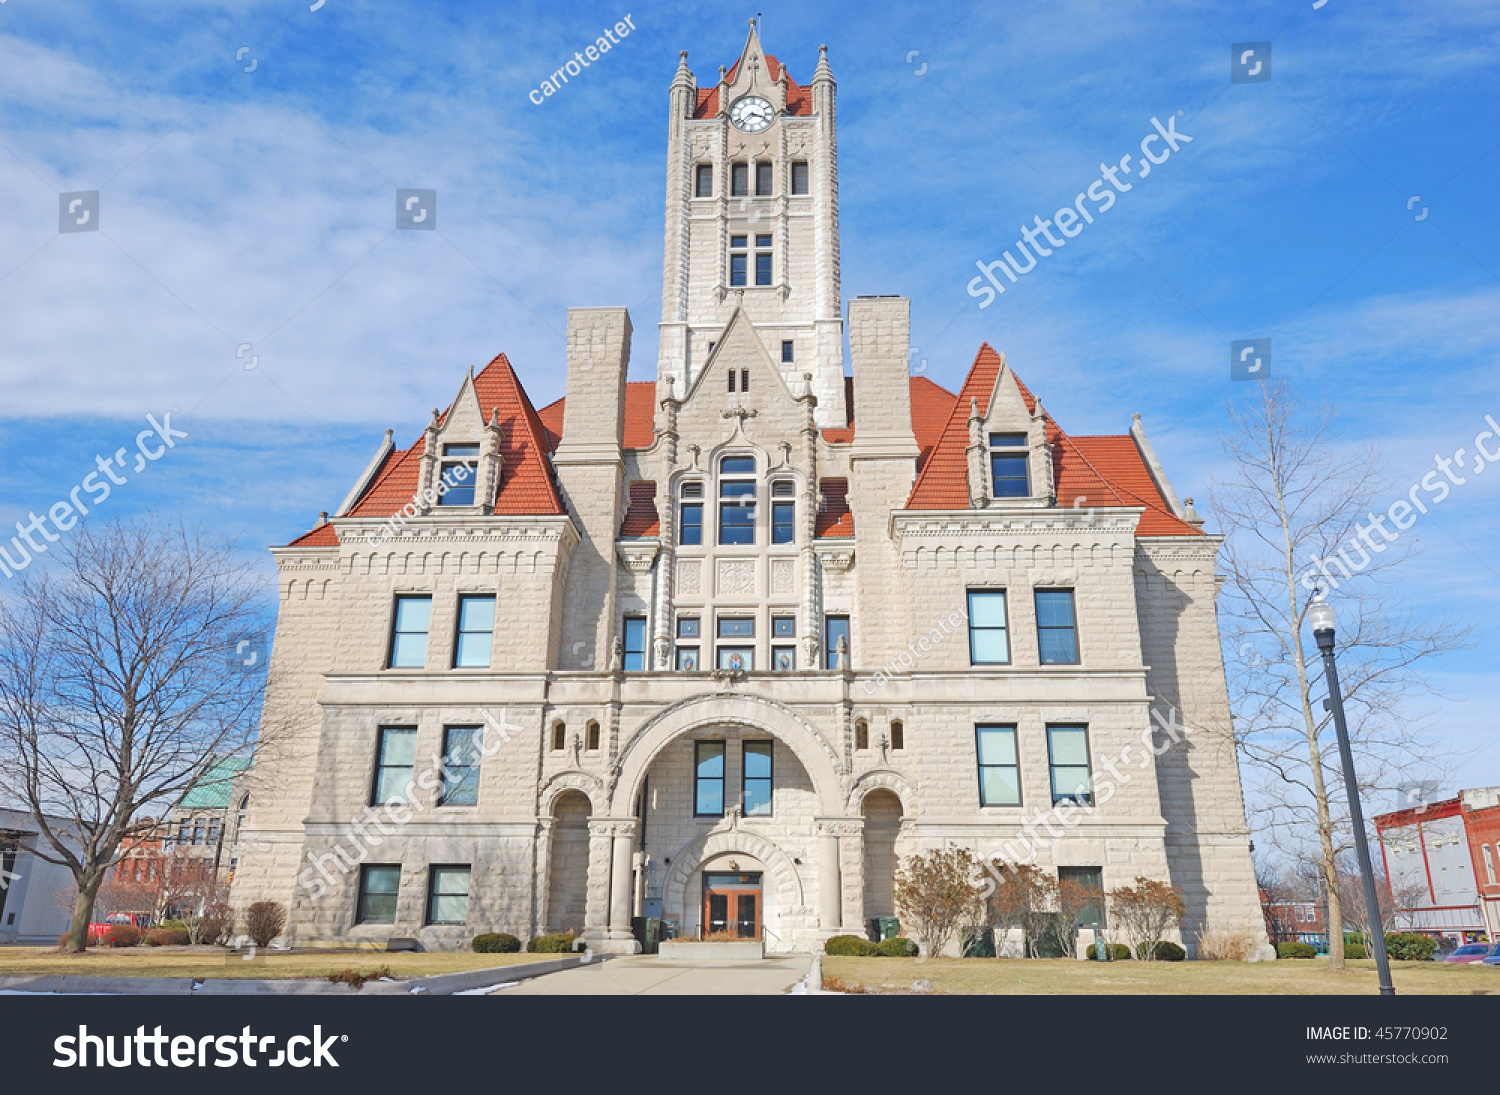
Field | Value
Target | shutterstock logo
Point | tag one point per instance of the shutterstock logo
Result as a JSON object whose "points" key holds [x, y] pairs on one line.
{"points": [[85, 1050]]}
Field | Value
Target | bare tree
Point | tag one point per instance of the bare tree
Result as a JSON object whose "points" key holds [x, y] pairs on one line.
{"points": [[116, 686], [1297, 510], [1145, 911], [1025, 899], [938, 893]]}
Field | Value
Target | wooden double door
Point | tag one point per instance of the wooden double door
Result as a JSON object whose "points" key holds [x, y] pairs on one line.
{"points": [[732, 903]]}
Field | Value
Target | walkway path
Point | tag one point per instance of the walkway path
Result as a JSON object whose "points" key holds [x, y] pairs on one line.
{"points": [[648, 975]]}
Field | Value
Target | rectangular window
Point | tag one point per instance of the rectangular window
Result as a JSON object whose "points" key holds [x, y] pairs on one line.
{"points": [[757, 779], [461, 765], [705, 181], [476, 631], [460, 470], [737, 500], [739, 180], [635, 644], [1008, 474], [691, 526], [1090, 878], [763, 268], [378, 885], [409, 632], [687, 659], [1489, 863], [394, 763], [762, 180], [737, 268], [198, 831], [213, 830], [448, 895], [989, 644], [799, 177], [1068, 754], [1056, 634], [708, 769], [763, 240], [834, 629], [736, 643], [783, 658], [999, 770], [783, 627], [783, 522], [787, 348], [184, 832]]}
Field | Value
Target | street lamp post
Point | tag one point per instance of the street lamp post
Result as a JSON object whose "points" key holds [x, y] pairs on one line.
{"points": [[1320, 615]]}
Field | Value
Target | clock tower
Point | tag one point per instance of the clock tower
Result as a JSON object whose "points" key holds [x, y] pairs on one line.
{"points": [[752, 224]]}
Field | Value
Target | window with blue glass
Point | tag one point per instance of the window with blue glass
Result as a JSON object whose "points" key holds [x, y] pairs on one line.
{"points": [[1008, 473], [989, 642], [999, 766], [635, 644], [1068, 753], [756, 778], [738, 259], [737, 500], [834, 629], [783, 512], [687, 643], [395, 760], [787, 348], [476, 631], [763, 261], [379, 883], [460, 470], [1056, 631], [461, 765], [708, 779], [690, 526], [736, 649], [409, 632]]}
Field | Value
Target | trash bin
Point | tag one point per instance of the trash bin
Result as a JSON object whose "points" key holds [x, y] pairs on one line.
{"points": [[888, 927], [647, 931]]}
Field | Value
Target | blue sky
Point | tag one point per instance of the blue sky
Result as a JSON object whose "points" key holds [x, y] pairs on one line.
{"points": [[257, 208]]}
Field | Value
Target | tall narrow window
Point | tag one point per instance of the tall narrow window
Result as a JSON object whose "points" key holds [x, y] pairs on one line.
{"points": [[379, 884], [783, 643], [757, 778], [1489, 863], [999, 769], [409, 632], [989, 643], [591, 737], [1068, 753], [739, 180], [635, 644], [1091, 879], [799, 177], [708, 779], [834, 629], [690, 527], [1008, 455], [763, 260], [704, 180], [461, 765], [898, 734], [559, 736], [448, 895], [213, 830], [394, 764], [861, 735], [1056, 635], [198, 830], [688, 637], [783, 511], [737, 643], [460, 470], [738, 258], [763, 176], [787, 348], [737, 500], [476, 631]]}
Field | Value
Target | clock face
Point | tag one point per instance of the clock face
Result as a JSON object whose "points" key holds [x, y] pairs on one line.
{"points": [[751, 114]]}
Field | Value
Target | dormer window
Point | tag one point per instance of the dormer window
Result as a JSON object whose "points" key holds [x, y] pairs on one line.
{"points": [[460, 470], [737, 500], [1009, 477]]}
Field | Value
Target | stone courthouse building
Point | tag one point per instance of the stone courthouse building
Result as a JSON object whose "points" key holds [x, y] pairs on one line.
{"points": [[723, 646]]}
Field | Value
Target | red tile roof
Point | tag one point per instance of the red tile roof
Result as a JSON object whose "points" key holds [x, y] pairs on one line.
{"points": [[834, 521], [641, 519], [798, 98], [1118, 461], [944, 482], [322, 536], [526, 486], [640, 416]]}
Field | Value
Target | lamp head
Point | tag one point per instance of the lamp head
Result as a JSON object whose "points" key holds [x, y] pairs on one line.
{"points": [[1320, 615]]}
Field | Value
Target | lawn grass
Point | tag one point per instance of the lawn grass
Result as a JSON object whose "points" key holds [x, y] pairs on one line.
{"points": [[1013, 976], [214, 962]]}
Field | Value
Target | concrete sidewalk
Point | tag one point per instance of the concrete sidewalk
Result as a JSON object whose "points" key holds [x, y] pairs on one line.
{"points": [[649, 975]]}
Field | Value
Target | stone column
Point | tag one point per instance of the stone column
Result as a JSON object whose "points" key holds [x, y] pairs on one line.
{"points": [[542, 875], [620, 939], [852, 854], [830, 903], [596, 906]]}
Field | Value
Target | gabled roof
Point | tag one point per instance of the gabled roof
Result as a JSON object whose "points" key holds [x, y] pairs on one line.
{"points": [[798, 98], [944, 481], [526, 487], [640, 416]]}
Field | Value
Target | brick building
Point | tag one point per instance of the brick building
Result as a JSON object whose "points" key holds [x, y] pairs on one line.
{"points": [[1442, 860], [724, 645]]}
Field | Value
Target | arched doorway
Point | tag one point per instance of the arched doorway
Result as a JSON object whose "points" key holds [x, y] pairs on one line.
{"points": [[882, 810], [568, 871]]}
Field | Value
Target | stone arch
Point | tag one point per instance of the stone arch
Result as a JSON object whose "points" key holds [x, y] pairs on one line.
{"points": [[823, 765], [886, 779], [569, 813], [589, 786], [688, 859], [883, 813]]}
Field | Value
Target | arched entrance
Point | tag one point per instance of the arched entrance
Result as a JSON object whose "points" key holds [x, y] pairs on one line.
{"points": [[882, 810], [568, 866]]}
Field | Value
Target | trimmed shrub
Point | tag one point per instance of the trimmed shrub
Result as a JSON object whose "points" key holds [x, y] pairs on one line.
{"points": [[216, 924], [1410, 946], [123, 935], [896, 947], [1166, 951], [1296, 950], [264, 921], [89, 940], [1354, 950], [556, 943], [496, 943], [850, 946], [1118, 952], [167, 937]]}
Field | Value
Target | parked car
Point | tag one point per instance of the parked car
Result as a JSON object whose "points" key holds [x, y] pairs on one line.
{"points": [[1471, 952], [1494, 956]]}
